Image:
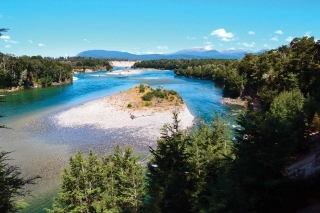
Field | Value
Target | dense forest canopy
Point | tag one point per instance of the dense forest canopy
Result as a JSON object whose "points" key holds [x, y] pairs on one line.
{"points": [[26, 72], [32, 71]]}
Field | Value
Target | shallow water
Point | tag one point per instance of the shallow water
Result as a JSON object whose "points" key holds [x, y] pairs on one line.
{"points": [[43, 147]]}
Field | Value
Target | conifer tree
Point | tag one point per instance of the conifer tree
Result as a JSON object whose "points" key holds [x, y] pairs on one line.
{"points": [[168, 175], [12, 185], [184, 167], [210, 152], [267, 143], [91, 184]]}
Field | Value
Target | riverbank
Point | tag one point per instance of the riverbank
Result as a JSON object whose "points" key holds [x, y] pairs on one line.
{"points": [[234, 102], [36, 86]]}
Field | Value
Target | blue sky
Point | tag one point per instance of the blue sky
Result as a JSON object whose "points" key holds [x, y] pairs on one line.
{"points": [[67, 27]]}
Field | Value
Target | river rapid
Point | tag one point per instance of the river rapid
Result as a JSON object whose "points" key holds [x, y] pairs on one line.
{"points": [[43, 148]]}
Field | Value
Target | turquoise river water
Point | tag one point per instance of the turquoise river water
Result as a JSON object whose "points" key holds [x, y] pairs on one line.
{"points": [[41, 147]]}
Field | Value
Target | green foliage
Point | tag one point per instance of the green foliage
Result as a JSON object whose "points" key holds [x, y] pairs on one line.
{"points": [[233, 84], [129, 105], [183, 166], [141, 88], [87, 63], [12, 185], [92, 184], [27, 71], [272, 141], [296, 66], [147, 97], [167, 172], [202, 170], [158, 93]]}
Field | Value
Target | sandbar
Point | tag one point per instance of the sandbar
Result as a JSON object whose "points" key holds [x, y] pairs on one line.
{"points": [[112, 113]]}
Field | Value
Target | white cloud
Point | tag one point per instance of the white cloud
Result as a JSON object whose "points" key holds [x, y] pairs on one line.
{"points": [[228, 39], [205, 37], [149, 52], [248, 44], [11, 41], [162, 47], [30, 41], [289, 39], [86, 40], [41, 45], [278, 32], [5, 37], [207, 42], [307, 33], [274, 38], [251, 32], [7, 46], [266, 46], [208, 47], [223, 34], [191, 38]]}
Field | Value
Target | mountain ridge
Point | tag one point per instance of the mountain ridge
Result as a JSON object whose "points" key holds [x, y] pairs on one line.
{"points": [[193, 53]]}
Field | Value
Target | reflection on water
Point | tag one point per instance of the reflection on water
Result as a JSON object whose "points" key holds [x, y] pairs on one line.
{"points": [[43, 147]]}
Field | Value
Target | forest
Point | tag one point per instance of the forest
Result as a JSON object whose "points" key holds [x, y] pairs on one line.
{"points": [[37, 71], [26, 72], [203, 170], [80, 64]]}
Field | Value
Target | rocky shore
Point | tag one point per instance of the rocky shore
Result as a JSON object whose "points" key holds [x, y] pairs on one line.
{"points": [[234, 102]]}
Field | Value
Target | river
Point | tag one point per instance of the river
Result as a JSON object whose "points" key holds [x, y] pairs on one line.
{"points": [[41, 147]]}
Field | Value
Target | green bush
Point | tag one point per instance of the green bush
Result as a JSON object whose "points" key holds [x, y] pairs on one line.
{"points": [[129, 105], [141, 88], [147, 97], [45, 81]]}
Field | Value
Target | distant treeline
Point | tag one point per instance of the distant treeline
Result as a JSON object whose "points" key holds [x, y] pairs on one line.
{"points": [[81, 63], [295, 66], [26, 71]]}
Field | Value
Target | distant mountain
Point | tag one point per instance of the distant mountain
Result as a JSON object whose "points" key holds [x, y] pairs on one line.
{"points": [[196, 53]]}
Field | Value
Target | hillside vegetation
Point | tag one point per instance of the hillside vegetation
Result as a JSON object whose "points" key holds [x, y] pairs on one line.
{"points": [[38, 71]]}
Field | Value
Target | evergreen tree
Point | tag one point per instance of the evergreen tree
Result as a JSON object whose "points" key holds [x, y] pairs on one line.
{"points": [[12, 185], [186, 166], [267, 143], [168, 175], [91, 184], [210, 153]]}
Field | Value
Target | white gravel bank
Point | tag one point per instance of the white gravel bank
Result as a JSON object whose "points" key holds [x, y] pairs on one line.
{"points": [[101, 114], [122, 63]]}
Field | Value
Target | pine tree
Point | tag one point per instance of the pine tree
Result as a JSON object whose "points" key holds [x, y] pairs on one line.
{"points": [[81, 185], [91, 184], [12, 185], [168, 175], [210, 152], [267, 143]]}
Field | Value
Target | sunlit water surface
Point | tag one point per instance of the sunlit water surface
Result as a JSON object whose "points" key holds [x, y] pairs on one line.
{"points": [[35, 136]]}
